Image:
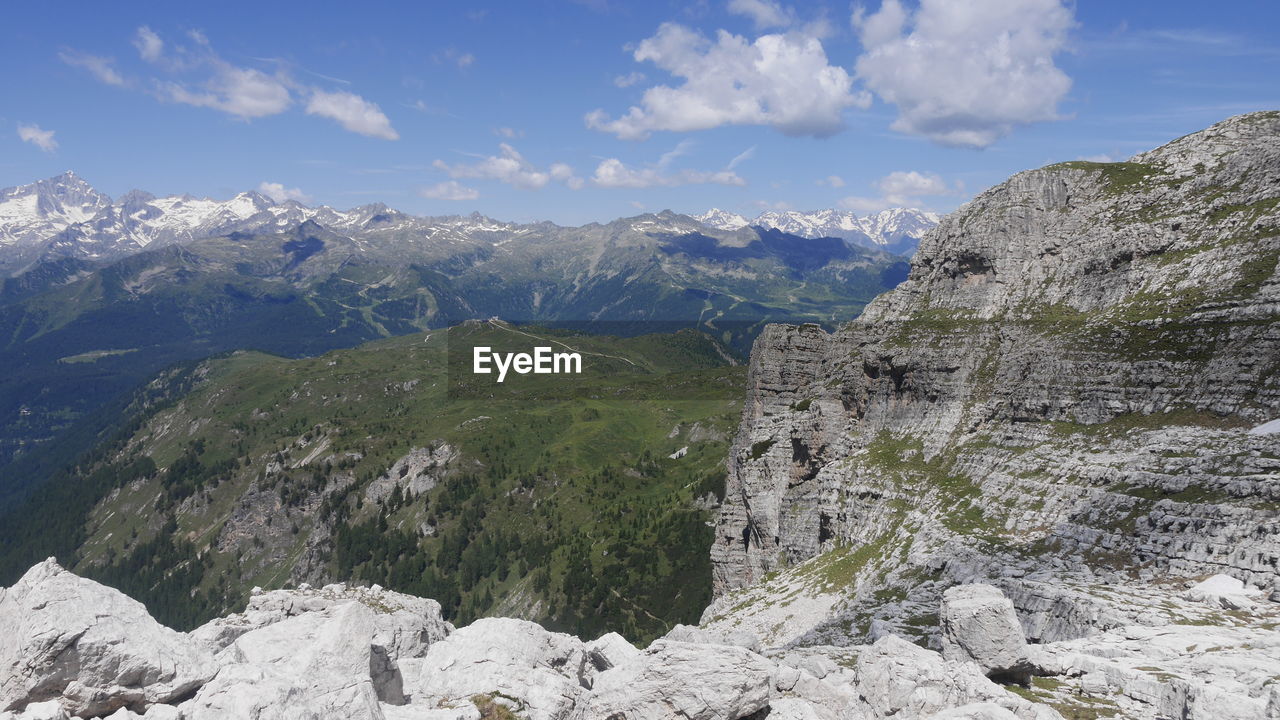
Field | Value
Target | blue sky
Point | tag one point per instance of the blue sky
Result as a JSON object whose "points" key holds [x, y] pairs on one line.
{"points": [[586, 111]]}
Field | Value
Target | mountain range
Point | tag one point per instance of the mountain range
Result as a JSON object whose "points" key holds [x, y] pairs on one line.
{"points": [[65, 217], [897, 230], [103, 294]]}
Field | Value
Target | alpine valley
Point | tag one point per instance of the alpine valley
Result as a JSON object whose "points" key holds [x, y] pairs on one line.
{"points": [[104, 294], [1037, 479]]}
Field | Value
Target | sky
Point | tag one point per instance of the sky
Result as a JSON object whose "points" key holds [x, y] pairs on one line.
{"points": [[584, 111]]}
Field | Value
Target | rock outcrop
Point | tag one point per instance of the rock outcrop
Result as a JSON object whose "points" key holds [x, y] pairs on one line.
{"points": [[313, 655], [90, 647], [1070, 400], [1066, 381]]}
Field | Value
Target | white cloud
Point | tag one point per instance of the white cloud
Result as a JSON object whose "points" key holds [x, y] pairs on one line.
{"points": [[966, 72], [150, 46], [243, 92], [513, 169], [764, 13], [901, 188], [629, 79], [280, 193], [780, 80], [1099, 158], [198, 76], [509, 133], [449, 190], [99, 67], [42, 139], [353, 113], [564, 173], [834, 181], [612, 173]]}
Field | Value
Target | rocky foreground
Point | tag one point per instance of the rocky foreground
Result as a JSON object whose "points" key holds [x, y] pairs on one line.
{"points": [[70, 647]]}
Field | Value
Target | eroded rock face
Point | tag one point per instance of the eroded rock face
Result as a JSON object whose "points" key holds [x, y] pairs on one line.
{"points": [[90, 647], [1066, 381]]}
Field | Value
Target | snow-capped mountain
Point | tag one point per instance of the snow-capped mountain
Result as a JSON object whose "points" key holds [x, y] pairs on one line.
{"points": [[33, 213], [897, 229], [65, 217], [722, 219]]}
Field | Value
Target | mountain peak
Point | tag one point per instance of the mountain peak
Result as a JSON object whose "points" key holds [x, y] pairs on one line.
{"points": [[896, 229]]}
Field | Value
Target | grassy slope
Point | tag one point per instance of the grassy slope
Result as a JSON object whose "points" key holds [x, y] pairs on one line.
{"points": [[562, 504]]}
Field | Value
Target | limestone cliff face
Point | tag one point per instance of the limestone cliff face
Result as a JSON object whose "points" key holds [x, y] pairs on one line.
{"points": [[1068, 376]]}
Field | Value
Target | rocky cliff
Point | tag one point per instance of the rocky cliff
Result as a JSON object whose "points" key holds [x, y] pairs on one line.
{"points": [[1068, 393]]}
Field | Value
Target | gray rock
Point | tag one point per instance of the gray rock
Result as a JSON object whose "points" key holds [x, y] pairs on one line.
{"points": [[317, 664], [674, 679], [901, 680], [510, 658], [605, 653], [90, 647], [980, 624]]}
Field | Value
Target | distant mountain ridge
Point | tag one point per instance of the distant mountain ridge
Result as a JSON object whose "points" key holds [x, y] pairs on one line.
{"points": [[66, 217], [897, 230]]}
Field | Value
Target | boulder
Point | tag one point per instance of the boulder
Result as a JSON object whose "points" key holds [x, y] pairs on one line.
{"points": [[980, 624], [90, 646], [317, 664], [503, 657], [404, 625], [692, 681], [604, 653], [905, 681]]}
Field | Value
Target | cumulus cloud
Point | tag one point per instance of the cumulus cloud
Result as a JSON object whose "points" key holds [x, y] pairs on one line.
{"points": [[280, 193], [150, 46], [42, 139], [901, 188], [780, 80], [510, 167], [965, 72], [244, 92], [449, 190], [612, 173], [99, 67], [834, 181], [764, 13], [509, 133], [353, 113]]}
